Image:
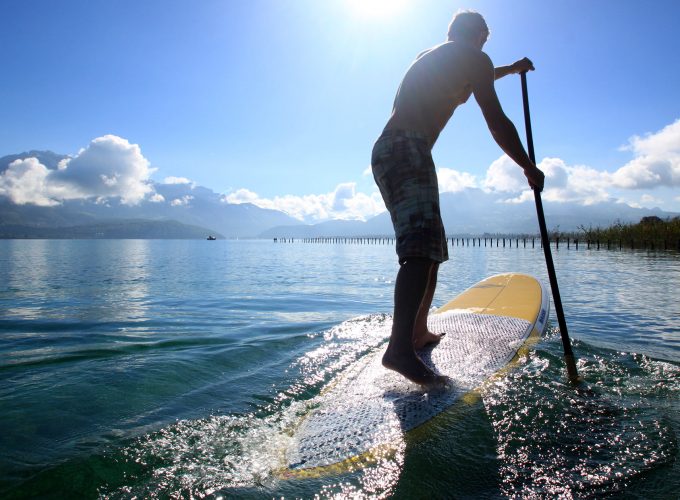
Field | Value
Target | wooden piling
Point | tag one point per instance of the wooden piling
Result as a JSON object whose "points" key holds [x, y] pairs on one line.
{"points": [[651, 244]]}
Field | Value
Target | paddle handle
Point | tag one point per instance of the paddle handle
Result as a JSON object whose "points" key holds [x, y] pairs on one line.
{"points": [[572, 373]]}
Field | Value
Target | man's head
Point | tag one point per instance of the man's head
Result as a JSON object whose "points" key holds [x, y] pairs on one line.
{"points": [[468, 26]]}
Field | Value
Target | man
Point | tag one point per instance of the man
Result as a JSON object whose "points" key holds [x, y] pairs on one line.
{"points": [[440, 79]]}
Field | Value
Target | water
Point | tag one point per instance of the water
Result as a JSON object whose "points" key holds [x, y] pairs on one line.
{"points": [[177, 368]]}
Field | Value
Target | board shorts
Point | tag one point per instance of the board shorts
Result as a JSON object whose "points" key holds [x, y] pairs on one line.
{"points": [[404, 171]]}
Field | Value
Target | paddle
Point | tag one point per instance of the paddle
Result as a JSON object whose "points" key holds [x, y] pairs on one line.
{"points": [[568, 353]]}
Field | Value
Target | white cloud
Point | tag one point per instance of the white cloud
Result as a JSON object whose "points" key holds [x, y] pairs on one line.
{"points": [[110, 167], [343, 203], [563, 183], [178, 180], [25, 181], [556, 172], [578, 183], [503, 175], [241, 196], [350, 204], [664, 141], [656, 162], [453, 181], [182, 202], [342, 196], [523, 197], [648, 199]]}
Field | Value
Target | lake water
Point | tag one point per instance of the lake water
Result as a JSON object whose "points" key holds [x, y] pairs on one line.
{"points": [[176, 368]]}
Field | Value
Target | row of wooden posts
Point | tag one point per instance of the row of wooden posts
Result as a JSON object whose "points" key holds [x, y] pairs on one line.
{"points": [[503, 242]]}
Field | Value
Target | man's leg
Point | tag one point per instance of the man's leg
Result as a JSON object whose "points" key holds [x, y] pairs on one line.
{"points": [[421, 335], [409, 293]]}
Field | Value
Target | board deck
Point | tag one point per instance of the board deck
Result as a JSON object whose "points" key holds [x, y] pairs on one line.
{"points": [[368, 407]]}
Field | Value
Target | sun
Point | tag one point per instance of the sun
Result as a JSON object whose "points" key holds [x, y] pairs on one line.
{"points": [[376, 9]]}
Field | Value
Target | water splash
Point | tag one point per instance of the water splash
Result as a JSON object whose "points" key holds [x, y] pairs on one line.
{"points": [[599, 438], [531, 434], [227, 455]]}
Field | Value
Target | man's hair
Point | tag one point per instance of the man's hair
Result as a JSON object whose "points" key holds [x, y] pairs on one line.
{"points": [[466, 26]]}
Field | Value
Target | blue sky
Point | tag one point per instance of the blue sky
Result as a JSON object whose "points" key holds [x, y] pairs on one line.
{"points": [[278, 102]]}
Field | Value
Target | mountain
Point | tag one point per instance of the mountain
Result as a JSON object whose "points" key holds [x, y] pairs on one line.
{"points": [[48, 158], [204, 209], [185, 210], [474, 212], [116, 229], [186, 204]]}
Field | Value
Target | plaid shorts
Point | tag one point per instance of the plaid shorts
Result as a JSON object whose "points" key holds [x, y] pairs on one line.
{"points": [[404, 171]]}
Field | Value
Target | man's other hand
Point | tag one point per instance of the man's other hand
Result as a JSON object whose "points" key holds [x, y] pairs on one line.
{"points": [[522, 66]]}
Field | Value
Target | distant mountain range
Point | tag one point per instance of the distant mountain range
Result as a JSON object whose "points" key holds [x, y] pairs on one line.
{"points": [[204, 212], [115, 229], [474, 212]]}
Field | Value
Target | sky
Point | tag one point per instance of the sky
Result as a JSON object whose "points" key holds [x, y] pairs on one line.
{"points": [[279, 102]]}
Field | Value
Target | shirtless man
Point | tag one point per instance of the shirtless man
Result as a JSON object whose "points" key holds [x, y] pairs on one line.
{"points": [[440, 79]]}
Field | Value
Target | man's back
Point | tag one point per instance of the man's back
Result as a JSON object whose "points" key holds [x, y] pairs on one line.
{"points": [[435, 84]]}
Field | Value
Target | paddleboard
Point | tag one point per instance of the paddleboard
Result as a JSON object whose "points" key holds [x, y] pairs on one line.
{"points": [[368, 408]]}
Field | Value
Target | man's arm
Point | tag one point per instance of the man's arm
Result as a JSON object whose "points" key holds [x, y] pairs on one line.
{"points": [[501, 127], [517, 67]]}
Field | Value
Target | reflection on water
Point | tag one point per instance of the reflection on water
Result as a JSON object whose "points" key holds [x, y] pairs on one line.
{"points": [[601, 437], [76, 280], [133, 275], [179, 367], [529, 435], [24, 265]]}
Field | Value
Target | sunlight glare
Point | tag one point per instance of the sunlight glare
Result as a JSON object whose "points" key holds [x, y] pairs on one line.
{"points": [[376, 9]]}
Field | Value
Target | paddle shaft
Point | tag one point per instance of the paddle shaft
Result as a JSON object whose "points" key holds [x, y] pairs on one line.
{"points": [[568, 353]]}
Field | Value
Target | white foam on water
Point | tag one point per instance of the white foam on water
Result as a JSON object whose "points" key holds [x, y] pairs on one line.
{"points": [[368, 405]]}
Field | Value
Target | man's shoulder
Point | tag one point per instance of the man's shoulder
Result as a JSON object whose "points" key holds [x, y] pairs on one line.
{"points": [[485, 57], [472, 55], [478, 62], [478, 56], [436, 49]]}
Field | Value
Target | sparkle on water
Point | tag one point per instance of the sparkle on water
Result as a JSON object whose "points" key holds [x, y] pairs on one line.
{"points": [[168, 369]]}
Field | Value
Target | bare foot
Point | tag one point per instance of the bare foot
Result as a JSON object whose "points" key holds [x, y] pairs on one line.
{"points": [[423, 340], [411, 366]]}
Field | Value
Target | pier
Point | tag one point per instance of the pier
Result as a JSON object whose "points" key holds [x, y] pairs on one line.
{"points": [[502, 242]]}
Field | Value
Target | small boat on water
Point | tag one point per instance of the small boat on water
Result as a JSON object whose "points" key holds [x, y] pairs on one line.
{"points": [[211, 238]]}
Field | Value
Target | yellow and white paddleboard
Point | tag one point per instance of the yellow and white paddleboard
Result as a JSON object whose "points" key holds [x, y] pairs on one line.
{"points": [[369, 407]]}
